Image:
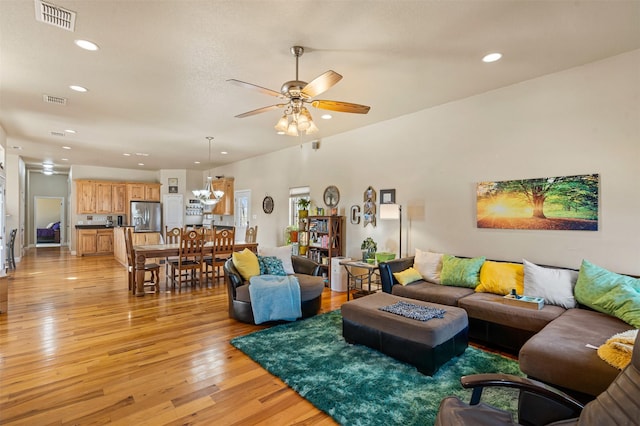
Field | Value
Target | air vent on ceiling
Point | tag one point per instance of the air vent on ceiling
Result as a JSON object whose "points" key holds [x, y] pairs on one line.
{"points": [[54, 133], [55, 15], [54, 100]]}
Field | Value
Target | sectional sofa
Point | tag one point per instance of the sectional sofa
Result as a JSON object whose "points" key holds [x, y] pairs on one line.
{"points": [[555, 344]]}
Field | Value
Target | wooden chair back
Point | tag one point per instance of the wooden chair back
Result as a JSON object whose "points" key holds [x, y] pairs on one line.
{"points": [[251, 234], [223, 240], [172, 236], [191, 245]]}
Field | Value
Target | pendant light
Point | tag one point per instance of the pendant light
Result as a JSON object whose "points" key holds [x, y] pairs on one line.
{"points": [[204, 195]]}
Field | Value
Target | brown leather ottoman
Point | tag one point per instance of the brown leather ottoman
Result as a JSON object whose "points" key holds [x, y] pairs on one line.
{"points": [[424, 344]]}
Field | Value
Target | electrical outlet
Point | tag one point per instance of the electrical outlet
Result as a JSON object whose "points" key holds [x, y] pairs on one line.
{"points": [[89, 217]]}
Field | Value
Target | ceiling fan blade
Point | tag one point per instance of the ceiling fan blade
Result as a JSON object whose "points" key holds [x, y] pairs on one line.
{"points": [[321, 83], [260, 89], [260, 110], [341, 106]]}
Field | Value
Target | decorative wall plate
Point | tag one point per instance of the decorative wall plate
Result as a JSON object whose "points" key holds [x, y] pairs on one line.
{"points": [[331, 196], [267, 205]]}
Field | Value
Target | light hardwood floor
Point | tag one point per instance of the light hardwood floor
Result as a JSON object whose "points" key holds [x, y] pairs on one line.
{"points": [[76, 348]]}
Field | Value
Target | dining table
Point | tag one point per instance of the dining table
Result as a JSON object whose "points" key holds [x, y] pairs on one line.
{"points": [[148, 251]]}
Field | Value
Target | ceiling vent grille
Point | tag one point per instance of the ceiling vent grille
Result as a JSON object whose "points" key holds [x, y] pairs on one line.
{"points": [[55, 15], [54, 100], [54, 133]]}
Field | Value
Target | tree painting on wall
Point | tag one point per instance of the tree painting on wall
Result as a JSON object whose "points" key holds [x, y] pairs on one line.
{"points": [[568, 203]]}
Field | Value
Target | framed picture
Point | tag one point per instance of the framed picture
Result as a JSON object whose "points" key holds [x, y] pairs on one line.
{"points": [[561, 203], [387, 196], [173, 185]]}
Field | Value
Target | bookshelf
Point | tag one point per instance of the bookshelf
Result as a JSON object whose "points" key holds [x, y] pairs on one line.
{"points": [[325, 240]]}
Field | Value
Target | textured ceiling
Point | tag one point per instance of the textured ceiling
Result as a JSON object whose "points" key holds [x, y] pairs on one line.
{"points": [[158, 83]]}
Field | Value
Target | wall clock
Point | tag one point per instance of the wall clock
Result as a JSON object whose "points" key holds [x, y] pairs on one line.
{"points": [[267, 205], [331, 196]]}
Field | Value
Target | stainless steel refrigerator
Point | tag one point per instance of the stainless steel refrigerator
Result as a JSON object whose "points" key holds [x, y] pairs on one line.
{"points": [[146, 216]]}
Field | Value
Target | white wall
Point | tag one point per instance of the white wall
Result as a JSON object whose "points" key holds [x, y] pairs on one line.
{"points": [[578, 121]]}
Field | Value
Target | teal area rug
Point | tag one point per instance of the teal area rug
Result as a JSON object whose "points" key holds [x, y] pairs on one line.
{"points": [[359, 386]]}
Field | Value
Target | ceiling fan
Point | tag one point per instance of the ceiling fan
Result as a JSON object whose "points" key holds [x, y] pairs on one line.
{"points": [[297, 94]]}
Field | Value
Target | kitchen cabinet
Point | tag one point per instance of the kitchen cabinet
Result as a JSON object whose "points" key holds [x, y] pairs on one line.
{"points": [[226, 203], [104, 197], [143, 191], [119, 198], [152, 192], [101, 197], [85, 196], [94, 241]]}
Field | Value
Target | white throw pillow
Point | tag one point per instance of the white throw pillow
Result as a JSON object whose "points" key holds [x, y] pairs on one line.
{"points": [[283, 253], [49, 226], [553, 284], [429, 264]]}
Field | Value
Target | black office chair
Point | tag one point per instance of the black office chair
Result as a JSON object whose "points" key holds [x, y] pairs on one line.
{"points": [[539, 404]]}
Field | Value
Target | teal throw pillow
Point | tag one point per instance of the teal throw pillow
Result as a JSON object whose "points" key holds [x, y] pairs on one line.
{"points": [[272, 266], [610, 293], [461, 272]]}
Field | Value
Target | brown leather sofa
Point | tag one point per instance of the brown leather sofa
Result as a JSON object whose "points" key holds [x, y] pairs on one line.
{"points": [[550, 342], [309, 277]]}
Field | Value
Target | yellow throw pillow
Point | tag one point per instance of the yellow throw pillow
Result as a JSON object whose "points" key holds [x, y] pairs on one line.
{"points": [[246, 262], [500, 278], [407, 276]]}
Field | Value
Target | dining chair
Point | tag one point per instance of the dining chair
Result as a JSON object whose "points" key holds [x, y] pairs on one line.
{"points": [[223, 247], [190, 259], [251, 234], [171, 236], [152, 268]]}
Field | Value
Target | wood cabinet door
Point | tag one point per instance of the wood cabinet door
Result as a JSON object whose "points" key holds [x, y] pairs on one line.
{"points": [[119, 198], [87, 241], [152, 192], [136, 191], [104, 241], [226, 205], [104, 197], [85, 197]]}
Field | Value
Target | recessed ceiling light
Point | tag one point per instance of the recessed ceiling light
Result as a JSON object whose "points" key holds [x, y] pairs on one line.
{"points": [[78, 88], [140, 164], [223, 152], [326, 116], [64, 159], [48, 166], [142, 154], [66, 147], [126, 154], [70, 131], [280, 133], [86, 44], [16, 147], [196, 162], [47, 172], [492, 57]]}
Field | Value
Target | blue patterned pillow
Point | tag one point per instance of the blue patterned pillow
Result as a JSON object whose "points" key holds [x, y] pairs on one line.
{"points": [[263, 267], [273, 266]]}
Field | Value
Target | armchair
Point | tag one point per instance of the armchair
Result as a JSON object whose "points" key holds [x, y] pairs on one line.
{"points": [[311, 286], [539, 404]]}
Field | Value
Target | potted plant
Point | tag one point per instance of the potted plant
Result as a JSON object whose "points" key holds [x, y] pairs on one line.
{"points": [[303, 207], [369, 248]]}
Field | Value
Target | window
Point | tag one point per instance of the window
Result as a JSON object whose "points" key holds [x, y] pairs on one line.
{"points": [[294, 195]]}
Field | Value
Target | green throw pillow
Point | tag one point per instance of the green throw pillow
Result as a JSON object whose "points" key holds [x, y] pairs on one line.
{"points": [[272, 265], [461, 272], [609, 293]]}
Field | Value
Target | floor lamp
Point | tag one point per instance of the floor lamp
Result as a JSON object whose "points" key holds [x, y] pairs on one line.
{"points": [[393, 211]]}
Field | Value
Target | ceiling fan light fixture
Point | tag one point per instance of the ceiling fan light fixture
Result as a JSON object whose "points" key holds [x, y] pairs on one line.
{"points": [[312, 128], [292, 130], [283, 123]]}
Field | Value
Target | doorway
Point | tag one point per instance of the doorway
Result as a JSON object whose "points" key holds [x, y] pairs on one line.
{"points": [[242, 211], [48, 221]]}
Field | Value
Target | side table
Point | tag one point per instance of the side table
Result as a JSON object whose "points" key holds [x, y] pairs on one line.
{"points": [[357, 280]]}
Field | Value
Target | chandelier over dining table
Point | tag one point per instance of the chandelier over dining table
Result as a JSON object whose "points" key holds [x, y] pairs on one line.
{"points": [[205, 195]]}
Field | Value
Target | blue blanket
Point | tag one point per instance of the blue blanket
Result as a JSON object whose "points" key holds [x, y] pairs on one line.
{"points": [[274, 297]]}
